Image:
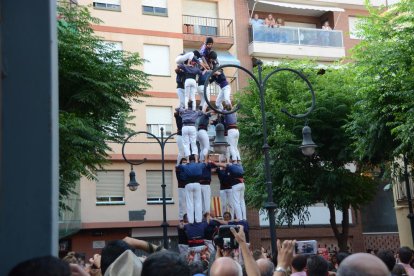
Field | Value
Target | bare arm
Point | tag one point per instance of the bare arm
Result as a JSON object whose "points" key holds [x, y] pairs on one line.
{"points": [[285, 256], [140, 244], [250, 264]]}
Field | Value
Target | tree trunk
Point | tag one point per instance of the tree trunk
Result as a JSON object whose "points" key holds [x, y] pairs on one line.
{"points": [[341, 237]]}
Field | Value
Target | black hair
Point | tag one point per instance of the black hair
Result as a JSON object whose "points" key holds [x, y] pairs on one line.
{"points": [[317, 266], [212, 55], [299, 262], [165, 263], [192, 157], [341, 256], [111, 251], [41, 266], [405, 254], [209, 40], [182, 159], [197, 54], [388, 258], [196, 267], [190, 104]]}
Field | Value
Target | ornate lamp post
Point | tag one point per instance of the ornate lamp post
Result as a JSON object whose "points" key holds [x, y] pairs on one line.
{"points": [[308, 146], [133, 184]]}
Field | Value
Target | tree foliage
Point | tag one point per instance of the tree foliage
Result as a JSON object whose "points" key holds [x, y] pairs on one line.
{"points": [[383, 119], [299, 181], [97, 86]]}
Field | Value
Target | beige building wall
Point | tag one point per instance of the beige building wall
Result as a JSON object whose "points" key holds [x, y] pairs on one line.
{"points": [[134, 30], [404, 227]]}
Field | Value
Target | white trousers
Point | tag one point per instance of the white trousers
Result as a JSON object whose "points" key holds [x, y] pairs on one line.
{"points": [[193, 199], [182, 208], [183, 250], [200, 91], [226, 198], [181, 153], [181, 96], [183, 58], [233, 140], [238, 200], [189, 138], [204, 141], [190, 86], [206, 198], [224, 95]]}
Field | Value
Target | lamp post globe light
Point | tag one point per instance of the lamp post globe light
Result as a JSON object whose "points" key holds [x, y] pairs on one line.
{"points": [[307, 147], [133, 184]]}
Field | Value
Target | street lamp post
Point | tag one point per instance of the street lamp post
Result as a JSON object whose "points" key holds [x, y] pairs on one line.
{"points": [[133, 184], [308, 146]]}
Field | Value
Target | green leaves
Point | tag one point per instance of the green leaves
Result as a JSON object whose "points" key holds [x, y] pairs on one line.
{"points": [[298, 181], [97, 85]]}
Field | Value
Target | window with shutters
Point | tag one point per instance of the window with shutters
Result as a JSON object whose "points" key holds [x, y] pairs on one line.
{"points": [[157, 60], [112, 5], [110, 188], [159, 117], [154, 188], [155, 7]]}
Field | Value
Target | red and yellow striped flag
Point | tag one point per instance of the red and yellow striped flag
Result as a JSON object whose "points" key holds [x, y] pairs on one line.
{"points": [[216, 206]]}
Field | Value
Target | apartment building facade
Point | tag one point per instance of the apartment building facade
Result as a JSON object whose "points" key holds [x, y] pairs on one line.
{"points": [[160, 30]]}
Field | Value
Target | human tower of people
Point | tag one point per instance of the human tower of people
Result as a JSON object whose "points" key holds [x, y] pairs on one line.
{"points": [[194, 169]]}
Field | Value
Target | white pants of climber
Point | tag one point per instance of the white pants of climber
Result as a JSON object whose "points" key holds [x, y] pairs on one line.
{"points": [[226, 198], [182, 207], [204, 141], [203, 102], [183, 58], [189, 138], [180, 145], [181, 96], [210, 246], [225, 157], [224, 95], [238, 201], [206, 198], [233, 140], [193, 199], [190, 86]]}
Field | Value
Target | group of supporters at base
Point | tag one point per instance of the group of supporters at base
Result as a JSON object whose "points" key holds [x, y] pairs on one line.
{"points": [[117, 258]]}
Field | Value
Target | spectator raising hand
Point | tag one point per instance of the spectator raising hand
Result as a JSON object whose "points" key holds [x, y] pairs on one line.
{"points": [[284, 257]]}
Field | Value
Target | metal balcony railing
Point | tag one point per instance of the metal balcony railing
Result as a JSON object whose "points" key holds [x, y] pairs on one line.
{"points": [[400, 191], [297, 36], [207, 26]]}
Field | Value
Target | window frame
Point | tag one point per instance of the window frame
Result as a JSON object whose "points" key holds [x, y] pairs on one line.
{"points": [[110, 199], [158, 200], [154, 12], [168, 75], [106, 6]]}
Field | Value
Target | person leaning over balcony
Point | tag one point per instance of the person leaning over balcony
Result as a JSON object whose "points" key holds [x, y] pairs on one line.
{"points": [[325, 39], [269, 23], [280, 35], [257, 27]]}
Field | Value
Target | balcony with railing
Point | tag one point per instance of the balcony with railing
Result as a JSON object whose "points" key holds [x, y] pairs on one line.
{"points": [[400, 191], [196, 28], [292, 42]]}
